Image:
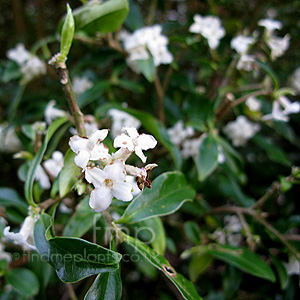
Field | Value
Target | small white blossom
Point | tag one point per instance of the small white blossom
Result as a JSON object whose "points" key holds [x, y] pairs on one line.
{"points": [[221, 156], [209, 27], [81, 84], [178, 134], [90, 126], [51, 112], [270, 25], [246, 62], [42, 178], [190, 148], [253, 103], [132, 141], [278, 45], [241, 130], [242, 43], [18, 54], [25, 236], [89, 148], [220, 236], [122, 119], [281, 109], [9, 141], [4, 255], [232, 229], [293, 266], [54, 165], [108, 183], [295, 80], [33, 68]]}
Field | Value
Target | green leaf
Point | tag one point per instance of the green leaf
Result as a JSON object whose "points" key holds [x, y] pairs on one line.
{"points": [[37, 160], [199, 264], [207, 159], [169, 191], [273, 152], [72, 258], [242, 259], [148, 68], [24, 281], [106, 286], [270, 72], [69, 174], [10, 198], [184, 286], [281, 271], [105, 17], [134, 19], [152, 230], [67, 34], [192, 231], [82, 220]]}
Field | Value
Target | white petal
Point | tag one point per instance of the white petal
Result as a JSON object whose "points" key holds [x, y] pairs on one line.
{"points": [[98, 136], [95, 176], [58, 156], [146, 141], [78, 143], [82, 158], [138, 151], [131, 131], [124, 141], [122, 191], [116, 171], [100, 151], [42, 178], [100, 198]]}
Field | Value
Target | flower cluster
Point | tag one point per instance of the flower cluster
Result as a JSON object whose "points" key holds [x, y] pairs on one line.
{"points": [[30, 65], [81, 84], [178, 134], [241, 130], [209, 27], [144, 43], [109, 175]]}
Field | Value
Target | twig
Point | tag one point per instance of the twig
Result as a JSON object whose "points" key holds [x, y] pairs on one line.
{"points": [[151, 15], [48, 203], [71, 291], [272, 191], [160, 98], [249, 239], [114, 44]]}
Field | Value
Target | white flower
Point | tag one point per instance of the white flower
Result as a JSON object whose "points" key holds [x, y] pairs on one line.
{"points": [[25, 236], [81, 84], [89, 148], [32, 68], [51, 113], [42, 178], [270, 25], [90, 126], [295, 80], [144, 42], [241, 130], [54, 165], [9, 141], [293, 266], [122, 119], [232, 224], [246, 62], [135, 189], [221, 156], [108, 183], [220, 236], [253, 104], [190, 148], [209, 27], [135, 142], [18, 54], [4, 255], [242, 43], [280, 114], [178, 134], [278, 45]]}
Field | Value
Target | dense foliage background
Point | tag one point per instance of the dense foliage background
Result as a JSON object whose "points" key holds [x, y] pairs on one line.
{"points": [[229, 246]]}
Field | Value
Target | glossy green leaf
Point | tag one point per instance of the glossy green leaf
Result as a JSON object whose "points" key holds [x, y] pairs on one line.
{"points": [[69, 174], [192, 231], [152, 125], [24, 281], [10, 198], [199, 264], [134, 19], [67, 34], [82, 220], [242, 259], [106, 286], [152, 231], [72, 258], [184, 286], [148, 68], [37, 160], [281, 271], [169, 191], [105, 17], [207, 159]]}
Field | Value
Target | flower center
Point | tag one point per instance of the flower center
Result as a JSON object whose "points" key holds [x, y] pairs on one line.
{"points": [[109, 183]]}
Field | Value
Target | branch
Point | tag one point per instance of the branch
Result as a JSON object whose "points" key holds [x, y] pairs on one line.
{"points": [[71, 291], [160, 97], [249, 240]]}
